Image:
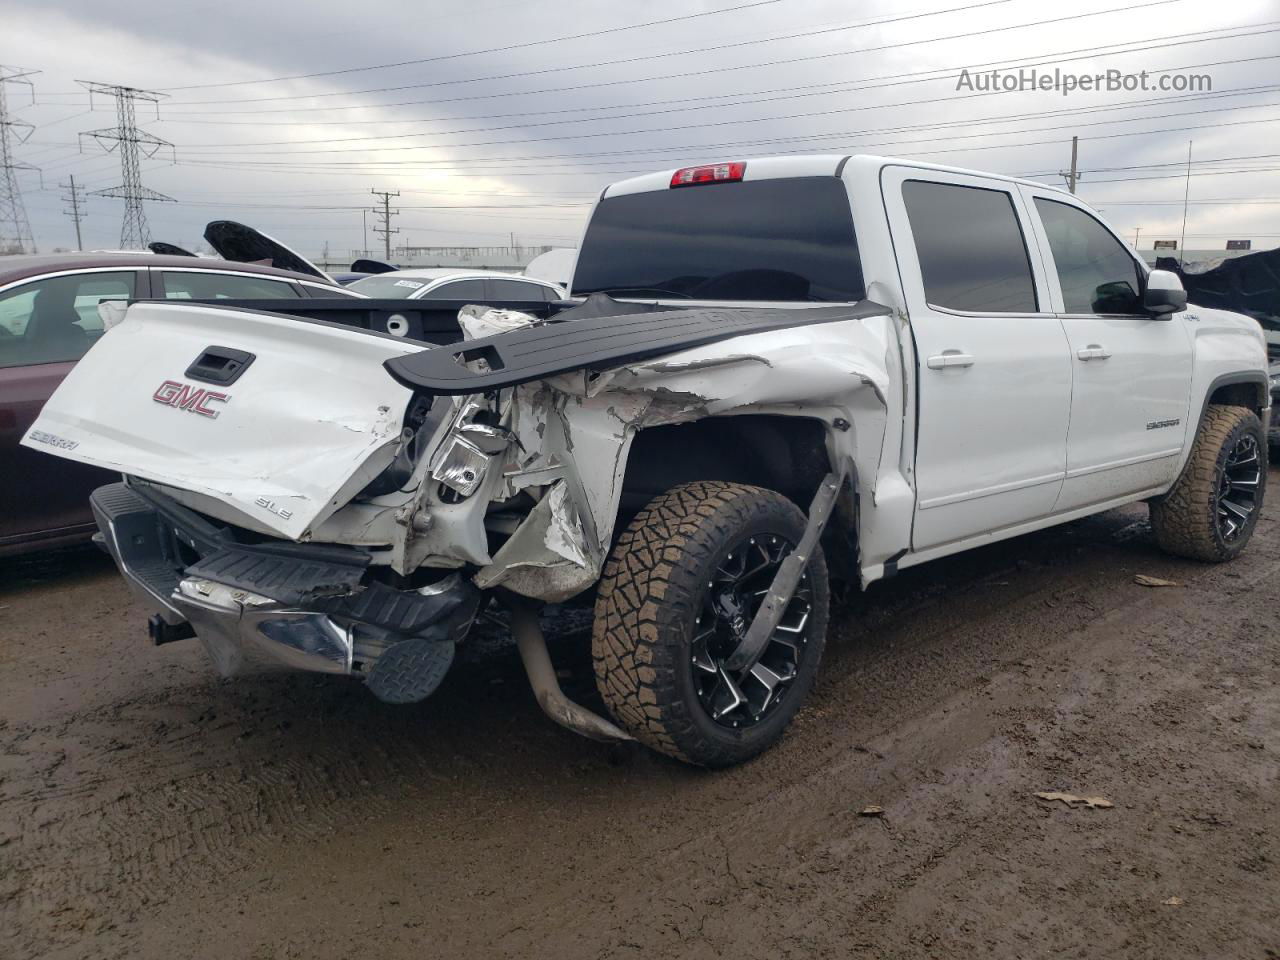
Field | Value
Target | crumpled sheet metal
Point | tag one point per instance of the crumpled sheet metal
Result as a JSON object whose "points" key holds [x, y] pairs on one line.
{"points": [[575, 431]]}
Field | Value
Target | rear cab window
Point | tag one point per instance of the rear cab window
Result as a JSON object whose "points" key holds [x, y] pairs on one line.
{"points": [[773, 240]]}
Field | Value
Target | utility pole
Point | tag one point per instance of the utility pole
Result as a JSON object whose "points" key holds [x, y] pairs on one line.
{"points": [[386, 213], [73, 197], [1073, 175], [364, 228], [15, 228], [1137, 231], [131, 143], [1186, 199]]}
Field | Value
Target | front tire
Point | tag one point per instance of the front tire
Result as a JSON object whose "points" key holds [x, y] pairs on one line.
{"points": [[685, 576], [1212, 510]]}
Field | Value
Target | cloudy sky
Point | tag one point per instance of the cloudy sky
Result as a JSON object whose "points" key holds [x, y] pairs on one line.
{"points": [[497, 118]]}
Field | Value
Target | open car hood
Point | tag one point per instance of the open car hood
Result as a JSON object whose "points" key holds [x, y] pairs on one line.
{"points": [[243, 244], [161, 248]]}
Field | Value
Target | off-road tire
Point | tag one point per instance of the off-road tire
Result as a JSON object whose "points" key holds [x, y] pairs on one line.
{"points": [[1185, 521], [653, 583]]}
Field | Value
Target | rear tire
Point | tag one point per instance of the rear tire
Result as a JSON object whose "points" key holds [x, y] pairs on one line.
{"points": [[1212, 510], [688, 568]]}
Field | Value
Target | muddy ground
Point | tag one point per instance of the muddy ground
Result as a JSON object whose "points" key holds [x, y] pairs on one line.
{"points": [[148, 809]]}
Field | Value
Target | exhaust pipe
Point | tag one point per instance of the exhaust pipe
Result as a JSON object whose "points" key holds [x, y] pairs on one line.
{"points": [[546, 688]]}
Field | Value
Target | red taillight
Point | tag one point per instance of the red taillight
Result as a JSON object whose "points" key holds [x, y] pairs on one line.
{"points": [[711, 173]]}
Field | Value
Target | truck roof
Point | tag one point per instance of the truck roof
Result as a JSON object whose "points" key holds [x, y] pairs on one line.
{"points": [[805, 165]]}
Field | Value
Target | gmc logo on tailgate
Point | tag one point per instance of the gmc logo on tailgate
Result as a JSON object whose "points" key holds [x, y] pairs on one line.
{"points": [[186, 397]]}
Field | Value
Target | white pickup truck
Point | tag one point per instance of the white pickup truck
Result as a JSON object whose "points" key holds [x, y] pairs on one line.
{"points": [[777, 371]]}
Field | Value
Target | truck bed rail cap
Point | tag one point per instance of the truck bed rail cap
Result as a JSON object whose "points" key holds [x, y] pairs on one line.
{"points": [[543, 350]]}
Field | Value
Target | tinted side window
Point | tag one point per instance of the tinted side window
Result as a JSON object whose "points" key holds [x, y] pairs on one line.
{"points": [[472, 290], [223, 286], [515, 290], [1095, 269], [55, 320], [972, 253]]}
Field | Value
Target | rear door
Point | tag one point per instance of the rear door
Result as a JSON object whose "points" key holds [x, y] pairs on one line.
{"points": [[994, 374], [1131, 372], [46, 325]]}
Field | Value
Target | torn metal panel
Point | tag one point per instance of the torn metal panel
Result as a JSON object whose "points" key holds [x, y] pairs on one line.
{"points": [[548, 556], [575, 431]]}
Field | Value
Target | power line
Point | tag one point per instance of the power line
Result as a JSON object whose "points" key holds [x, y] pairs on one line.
{"points": [[75, 198], [473, 53], [734, 145], [130, 141], [716, 47], [15, 228], [858, 108], [1249, 30], [386, 214]]}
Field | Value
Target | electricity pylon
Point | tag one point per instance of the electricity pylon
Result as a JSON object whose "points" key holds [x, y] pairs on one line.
{"points": [[15, 228], [132, 143]]}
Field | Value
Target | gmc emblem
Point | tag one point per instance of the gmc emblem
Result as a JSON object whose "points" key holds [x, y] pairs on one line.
{"points": [[186, 397]]}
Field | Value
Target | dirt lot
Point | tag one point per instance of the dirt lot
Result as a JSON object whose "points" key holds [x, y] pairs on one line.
{"points": [[148, 809]]}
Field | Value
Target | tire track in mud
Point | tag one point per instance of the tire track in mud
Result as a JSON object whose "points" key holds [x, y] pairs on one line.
{"points": [[791, 890], [177, 786]]}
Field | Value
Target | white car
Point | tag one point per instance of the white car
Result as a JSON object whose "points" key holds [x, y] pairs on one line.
{"points": [[928, 359], [444, 283]]}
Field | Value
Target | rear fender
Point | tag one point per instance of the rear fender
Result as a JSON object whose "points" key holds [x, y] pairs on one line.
{"points": [[574, 433]]}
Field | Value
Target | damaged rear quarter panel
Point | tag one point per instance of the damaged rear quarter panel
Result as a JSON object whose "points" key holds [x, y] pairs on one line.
{"points": [[575, 432]]}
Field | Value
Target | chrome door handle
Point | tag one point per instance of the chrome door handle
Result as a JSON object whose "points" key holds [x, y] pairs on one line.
{"points": [[1093, 351], [950, 358]]}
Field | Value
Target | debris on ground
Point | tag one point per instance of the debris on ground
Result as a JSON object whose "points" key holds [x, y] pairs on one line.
{"points": [[1173, 902], [1071, 800], [1143, 580], [871, 810]]}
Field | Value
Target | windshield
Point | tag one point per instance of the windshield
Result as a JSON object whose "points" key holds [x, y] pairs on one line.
{"points": [[752, 240], [387, 286]]}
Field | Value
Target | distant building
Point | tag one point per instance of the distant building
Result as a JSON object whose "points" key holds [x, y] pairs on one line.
{"points": [[1232, 248]]}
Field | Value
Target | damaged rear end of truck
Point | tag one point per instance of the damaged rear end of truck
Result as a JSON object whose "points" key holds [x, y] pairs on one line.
{"points": [[338, 500]]}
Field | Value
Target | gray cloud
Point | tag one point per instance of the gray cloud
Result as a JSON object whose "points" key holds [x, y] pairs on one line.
{"points": [[541, 157]]}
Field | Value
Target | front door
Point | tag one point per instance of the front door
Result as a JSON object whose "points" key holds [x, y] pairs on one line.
{"points": [[1131, 372], [994, 372]]}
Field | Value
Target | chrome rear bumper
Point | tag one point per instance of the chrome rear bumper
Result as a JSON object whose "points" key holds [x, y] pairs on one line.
{"points": [[322, 618], [231, 623]]}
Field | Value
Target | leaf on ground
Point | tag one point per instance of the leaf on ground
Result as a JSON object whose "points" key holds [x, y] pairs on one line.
{"points": [[1173, 902], [871, 810], [1071, 800], [1143, 580]]}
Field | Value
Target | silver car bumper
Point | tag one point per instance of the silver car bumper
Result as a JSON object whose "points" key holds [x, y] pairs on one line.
{"points": [[232, 624]]}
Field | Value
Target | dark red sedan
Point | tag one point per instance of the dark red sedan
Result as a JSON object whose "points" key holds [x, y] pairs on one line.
{"points": [[48, 320]]}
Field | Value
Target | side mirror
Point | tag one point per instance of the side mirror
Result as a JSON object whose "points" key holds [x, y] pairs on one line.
{"points": [[1163, 294]]}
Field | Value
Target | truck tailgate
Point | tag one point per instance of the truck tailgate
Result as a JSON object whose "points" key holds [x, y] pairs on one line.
{"points": [[278, 439]]}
